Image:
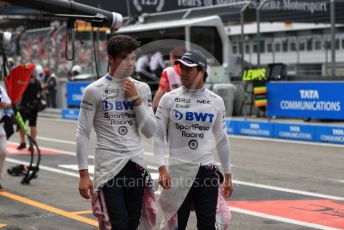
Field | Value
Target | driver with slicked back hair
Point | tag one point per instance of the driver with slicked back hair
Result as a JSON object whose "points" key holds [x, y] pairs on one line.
{"points": [[119, 109]]}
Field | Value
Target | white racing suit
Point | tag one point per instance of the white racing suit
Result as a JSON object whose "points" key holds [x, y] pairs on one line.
{"points": [[117, 123], [193, 123]]}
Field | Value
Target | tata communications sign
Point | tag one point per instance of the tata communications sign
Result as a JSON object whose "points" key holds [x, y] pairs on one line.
{"points": [[323, 100]]}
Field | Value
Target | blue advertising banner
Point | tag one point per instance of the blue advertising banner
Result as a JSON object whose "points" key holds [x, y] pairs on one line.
{"points": [[251, 128], [299, 132], [294, 131], [231, 126], [334, 134], [72, 114], [323, 100], [74, 92]]}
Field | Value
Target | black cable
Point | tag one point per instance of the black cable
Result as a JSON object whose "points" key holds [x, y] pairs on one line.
{"points": [[70, 27]]}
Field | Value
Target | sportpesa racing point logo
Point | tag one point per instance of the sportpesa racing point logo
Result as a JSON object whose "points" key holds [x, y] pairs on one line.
{"points": [[119, 113], [122, 130], [192, 125], [193, 144]]}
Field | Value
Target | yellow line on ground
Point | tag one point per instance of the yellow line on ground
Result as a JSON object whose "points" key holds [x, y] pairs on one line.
{"points": [[49, 208], [3, 225], [82, 212]]}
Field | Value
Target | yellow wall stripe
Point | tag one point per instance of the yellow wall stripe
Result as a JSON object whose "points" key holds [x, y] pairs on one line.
{"points": [[50, 208]]}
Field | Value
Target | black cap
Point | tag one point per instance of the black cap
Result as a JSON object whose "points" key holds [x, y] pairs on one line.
{"points": [[193, 58]]}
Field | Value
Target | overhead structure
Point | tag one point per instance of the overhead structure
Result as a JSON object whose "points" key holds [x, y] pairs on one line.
{"points": [[313, 11], [72, 10]]}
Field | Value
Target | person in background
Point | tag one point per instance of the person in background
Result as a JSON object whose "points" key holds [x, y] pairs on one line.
{"points": [[29, 109], [142, 67], [10, 64], [50, 81], [156, 63], [170, 77], [76, 70], [5, 103], [39, 73]]}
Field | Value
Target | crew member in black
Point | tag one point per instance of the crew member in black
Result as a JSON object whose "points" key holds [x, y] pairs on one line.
{"points": [[29, 109]]}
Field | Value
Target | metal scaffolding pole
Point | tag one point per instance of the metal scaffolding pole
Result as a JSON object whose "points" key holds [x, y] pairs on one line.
{"points": [[242, 21], [258, 29], [333, 38]]}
